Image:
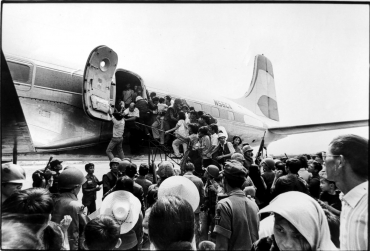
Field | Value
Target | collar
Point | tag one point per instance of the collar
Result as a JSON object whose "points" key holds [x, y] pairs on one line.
{"points": [[237, 192], [69, 195], [355, 195], [188, 173]]}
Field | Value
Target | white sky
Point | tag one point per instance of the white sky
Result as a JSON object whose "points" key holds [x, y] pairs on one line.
{"points": [[319, 52]]}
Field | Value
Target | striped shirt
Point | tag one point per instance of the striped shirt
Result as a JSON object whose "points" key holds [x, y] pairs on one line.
{"points": [[354, 218]]}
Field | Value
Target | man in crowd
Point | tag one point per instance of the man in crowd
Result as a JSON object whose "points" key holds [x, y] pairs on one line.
{"points": [[117, 139], [248, 153], [189, 169], [347, 165], [110, 178], [12, 179], [132, 115], [236, 220], [66, 203], [142, 181], [55, 167], [138, 191]]}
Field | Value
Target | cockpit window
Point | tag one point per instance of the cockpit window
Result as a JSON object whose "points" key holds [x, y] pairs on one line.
{"points": [[20, 72]]}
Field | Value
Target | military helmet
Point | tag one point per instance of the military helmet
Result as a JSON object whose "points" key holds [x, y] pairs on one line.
{"points": [[213, 171], [70, 178], [115, 160], [123, 164], [11, 173]]}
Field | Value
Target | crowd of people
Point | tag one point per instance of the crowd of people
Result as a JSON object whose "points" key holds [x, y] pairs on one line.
{"points": [[317, 202]]}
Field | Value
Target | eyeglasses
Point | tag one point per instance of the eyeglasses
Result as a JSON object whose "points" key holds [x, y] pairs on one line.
{"points": [[325, 155]]}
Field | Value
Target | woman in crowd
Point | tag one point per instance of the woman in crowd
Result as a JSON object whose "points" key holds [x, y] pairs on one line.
{"points": [[192, 153], [32, 208], [237, 144], [171, 224], [181, 132], [300, 224]]}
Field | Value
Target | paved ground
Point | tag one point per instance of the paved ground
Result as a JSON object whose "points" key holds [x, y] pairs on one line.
{"points": [[101, 167]]}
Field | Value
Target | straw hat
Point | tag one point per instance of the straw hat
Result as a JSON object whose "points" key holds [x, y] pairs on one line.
{"points": [[123, 206], [182, 187]]}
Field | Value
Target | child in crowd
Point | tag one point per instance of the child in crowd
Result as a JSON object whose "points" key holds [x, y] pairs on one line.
{"points": [[314, 181], [102, 233], [329, 198], [89, 188]]}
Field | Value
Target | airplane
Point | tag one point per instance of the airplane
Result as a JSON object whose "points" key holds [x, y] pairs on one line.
{"points": [[50, 108]]}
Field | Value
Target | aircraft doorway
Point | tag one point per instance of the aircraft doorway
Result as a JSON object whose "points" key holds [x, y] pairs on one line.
{"points": [[123, 78]]}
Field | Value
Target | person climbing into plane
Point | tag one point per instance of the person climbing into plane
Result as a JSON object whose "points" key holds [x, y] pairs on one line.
{"points": [[127, 95], [118, 129]]}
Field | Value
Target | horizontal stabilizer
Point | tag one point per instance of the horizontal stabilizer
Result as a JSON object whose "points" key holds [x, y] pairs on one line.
{"points": [[288, 130]]}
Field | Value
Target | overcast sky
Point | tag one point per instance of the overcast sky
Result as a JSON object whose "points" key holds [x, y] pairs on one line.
{"points": [[319, 52]]}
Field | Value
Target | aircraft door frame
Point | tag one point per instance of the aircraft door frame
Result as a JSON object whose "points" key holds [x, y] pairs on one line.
{"points": [[98, 82]]}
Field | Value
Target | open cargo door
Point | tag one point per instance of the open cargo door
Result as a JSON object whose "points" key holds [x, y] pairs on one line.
{"points": [[99, 89]]}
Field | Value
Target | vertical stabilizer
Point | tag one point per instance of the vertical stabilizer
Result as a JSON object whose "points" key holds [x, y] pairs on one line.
{"points": [[261, 96]]}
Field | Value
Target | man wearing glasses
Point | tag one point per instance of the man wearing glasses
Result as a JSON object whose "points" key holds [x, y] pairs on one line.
{"points": [[347, 165]]}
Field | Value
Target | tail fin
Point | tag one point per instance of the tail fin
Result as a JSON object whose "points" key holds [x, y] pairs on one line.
{"points": [[261, 96]]}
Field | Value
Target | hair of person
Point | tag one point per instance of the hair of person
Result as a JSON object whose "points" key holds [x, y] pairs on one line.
{"points": [[131, 170], [206, 245], [185, 107], [182, 115], [37, 203], [191, 108], [161, 100], [194, 128], [237, 137], [153, 94], [200, 113], [189, 167], [16, 236], [168, 97], [280, 166], [234, 182], [305, 245], [177, 102], [255, 175], [294, 165], [329, 182], [334, 226], [171, 221], [87, 166], [155, 99], [206, 119], [317, 166], [308, 156], [303, 160], [152, 196], [143, 169], [354, 149], [288, 183], [194, 113], [203, 130], [124, 183], [214, 128], [102, 233]]}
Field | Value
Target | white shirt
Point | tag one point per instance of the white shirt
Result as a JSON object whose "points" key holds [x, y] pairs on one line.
{"points": [[354, 219], [214, 139], [118, 127], [135, 113]]}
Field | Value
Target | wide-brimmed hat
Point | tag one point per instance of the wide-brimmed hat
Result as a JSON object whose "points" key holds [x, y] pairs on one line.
{"points": [[122, 206], [221, 134], [182, 187]]}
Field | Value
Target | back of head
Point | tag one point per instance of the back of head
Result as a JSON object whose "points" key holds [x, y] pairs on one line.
{"points": [[280, 166], [206, 118], [234, 173], [270, 163], [152, 196], [214, 128], [143, 169], [33, 206], [171, 221], [293, 165], [131, 170], [189, 167], [288, 183], [125, 183], [102, 233], [165, 170], [204, 130], [194, 128], [355, 150], [303, 160], [161, 100], [182, 115]]}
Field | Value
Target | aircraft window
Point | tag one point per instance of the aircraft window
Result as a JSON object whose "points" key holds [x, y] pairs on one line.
{"points": [[20, 72], [224, 114], [215, 112], [197, 106], [206, 108], [230, 115]]}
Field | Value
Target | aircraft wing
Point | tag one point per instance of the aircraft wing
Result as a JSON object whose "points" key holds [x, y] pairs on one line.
{"points": [[288, 130], [15, 135]]}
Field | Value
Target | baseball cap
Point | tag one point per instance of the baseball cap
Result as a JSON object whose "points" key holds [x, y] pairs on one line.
{"points": [[234, 169], [182, 187], [247, 148], [165, 170], [221, 134]]}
